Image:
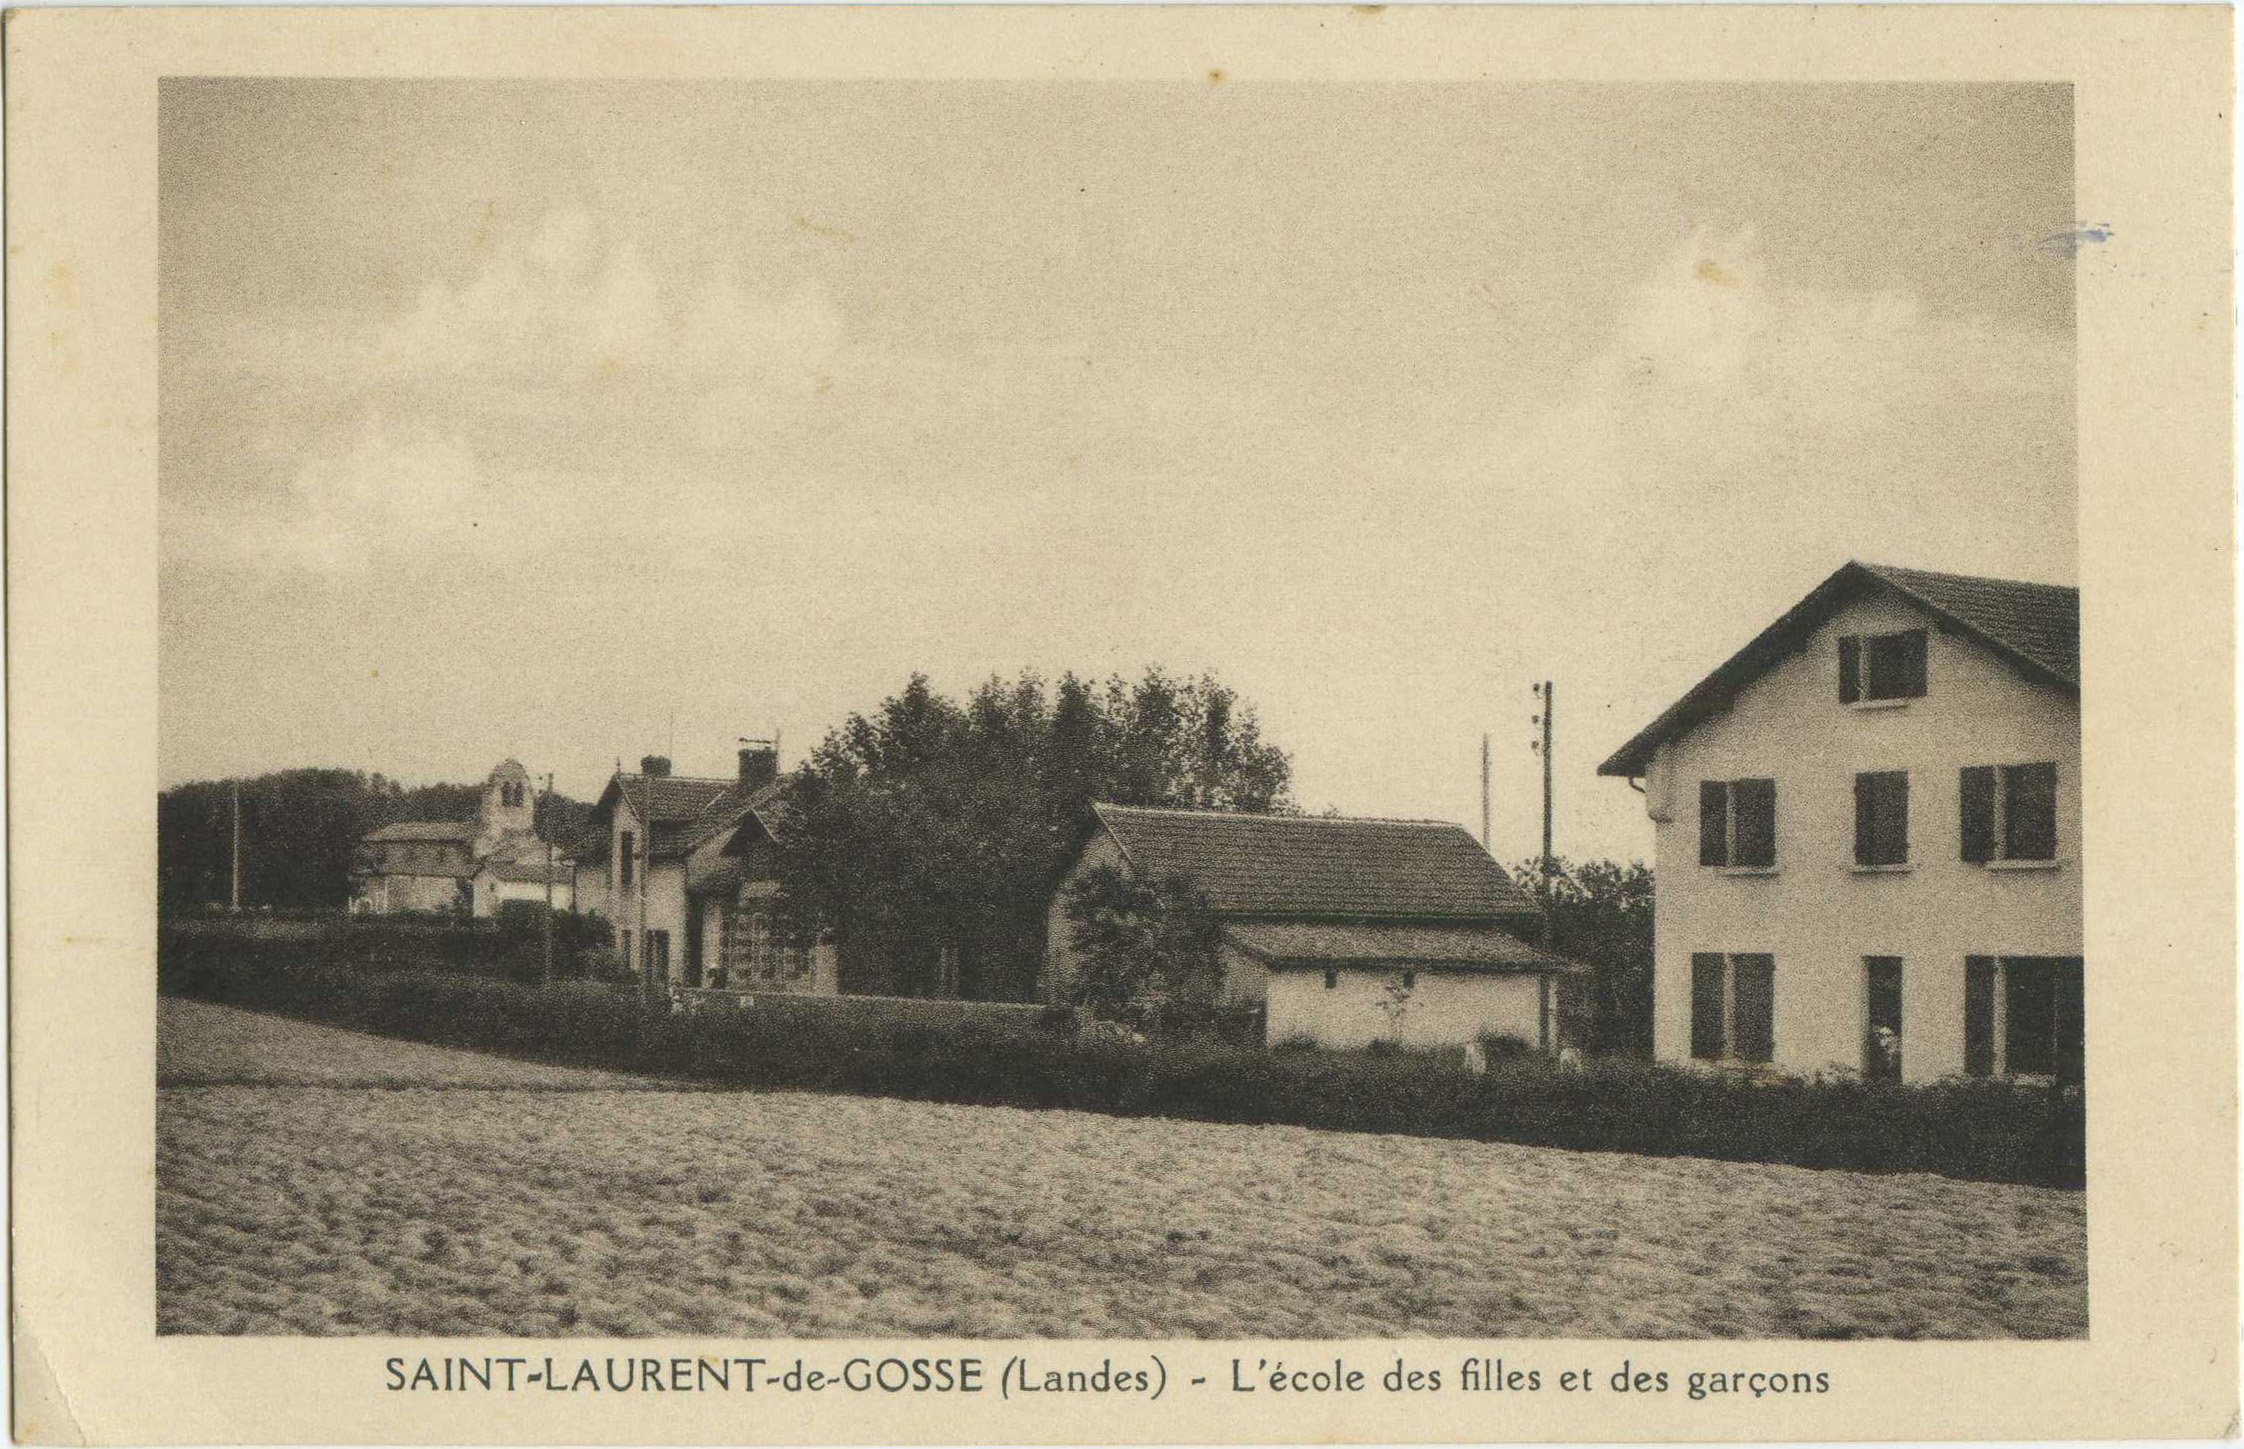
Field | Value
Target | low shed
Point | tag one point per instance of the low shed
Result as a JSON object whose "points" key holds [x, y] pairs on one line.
{"points": [[1345, 931]]}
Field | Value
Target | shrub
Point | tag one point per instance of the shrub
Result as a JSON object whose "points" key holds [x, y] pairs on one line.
{"points": [[948, 1051]]}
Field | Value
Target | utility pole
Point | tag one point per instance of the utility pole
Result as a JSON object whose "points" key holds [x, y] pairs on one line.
{"points": [[1547, 694], [646, 864], [545, 830], [237, 894], [1484, 792]]}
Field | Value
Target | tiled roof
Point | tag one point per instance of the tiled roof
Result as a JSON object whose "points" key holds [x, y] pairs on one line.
{"points": [[2036, 622], [1328, 943], [683, 812], [425, 830], [1304, 865], [723, 878], [728, 809], [670, 799], [2034, 626]]}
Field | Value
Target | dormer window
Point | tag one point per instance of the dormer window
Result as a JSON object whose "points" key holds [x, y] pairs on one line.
{"points": [[1878, 668]]}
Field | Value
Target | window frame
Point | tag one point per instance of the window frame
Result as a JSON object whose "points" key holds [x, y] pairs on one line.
{"points": [[1730, 795], [1989, 813], [1864, 658], [1727, 1031], [1991, 991]]}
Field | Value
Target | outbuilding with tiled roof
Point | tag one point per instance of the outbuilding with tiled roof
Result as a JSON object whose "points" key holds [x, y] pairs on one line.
{"points": [[1341, 930]]}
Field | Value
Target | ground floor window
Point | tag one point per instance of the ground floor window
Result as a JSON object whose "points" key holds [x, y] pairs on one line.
{"points": [[2023, 1017], [658, 955], [757, 951], [1733, 1006]]}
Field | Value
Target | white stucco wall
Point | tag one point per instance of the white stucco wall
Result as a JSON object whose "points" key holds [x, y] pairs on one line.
{"points": [[1445, 1008], [658, 904], [491, 893], [588, 894], [1817, 914]]}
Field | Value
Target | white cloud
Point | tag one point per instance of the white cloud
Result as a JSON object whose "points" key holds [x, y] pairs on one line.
{"points": [[565, 380], [1734, 416], [383, 488]]}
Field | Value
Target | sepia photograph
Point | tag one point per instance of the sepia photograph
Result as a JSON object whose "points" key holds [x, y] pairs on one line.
{"points": [[1215, 709]]}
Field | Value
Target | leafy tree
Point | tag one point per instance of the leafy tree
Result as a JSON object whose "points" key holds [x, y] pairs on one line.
{"points": [[1136, 938], [930, 826], [1601, 915]]}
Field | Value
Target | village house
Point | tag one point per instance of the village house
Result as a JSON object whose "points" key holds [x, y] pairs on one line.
{"points": [[735, 940], [682, 869], [468, 867], [1868, 836], [1344, 931]]}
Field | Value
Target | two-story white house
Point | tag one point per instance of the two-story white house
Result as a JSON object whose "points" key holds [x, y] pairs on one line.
{"points": [[1868, 836]]}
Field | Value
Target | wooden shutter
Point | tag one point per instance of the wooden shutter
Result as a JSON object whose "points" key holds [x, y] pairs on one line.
{"points": [[1979, 1016], [1753, 984], [2072, 1021], [2029, 822], [1881, 818], [1909, 664], [2029, 1008], [1865, 796], [1714, 815], [1755, 802], [1706, 1005], [1850, 669], [1979, 812]]}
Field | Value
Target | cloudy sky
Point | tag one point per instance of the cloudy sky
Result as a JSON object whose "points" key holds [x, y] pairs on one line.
{"points": [[579, 421]]}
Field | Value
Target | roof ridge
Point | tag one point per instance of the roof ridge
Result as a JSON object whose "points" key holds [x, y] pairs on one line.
{"points": [[1273, 815], [2009, 583]]}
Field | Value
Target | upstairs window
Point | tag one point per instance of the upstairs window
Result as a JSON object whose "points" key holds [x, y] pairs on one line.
{"points": [[1881, 818], [1882, 666], [1737, 823], [626, 860], [2010, 812]]}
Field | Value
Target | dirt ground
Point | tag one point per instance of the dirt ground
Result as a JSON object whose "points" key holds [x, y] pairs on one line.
{"points": [[311, 1181]]}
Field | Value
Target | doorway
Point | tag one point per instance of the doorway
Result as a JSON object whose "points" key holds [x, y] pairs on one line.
{"points": [[1881, 1036]]}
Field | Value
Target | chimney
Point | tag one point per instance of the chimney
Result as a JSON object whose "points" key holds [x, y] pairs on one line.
{"points": [[759, 765], [656, 766]]}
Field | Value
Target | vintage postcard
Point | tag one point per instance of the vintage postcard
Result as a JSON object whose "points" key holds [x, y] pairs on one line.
{"points": [[1341, 724]]}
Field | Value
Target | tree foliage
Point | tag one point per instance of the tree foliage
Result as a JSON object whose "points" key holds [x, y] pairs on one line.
{"points": [[931, 824], [1136, 939], [1601, 915]]}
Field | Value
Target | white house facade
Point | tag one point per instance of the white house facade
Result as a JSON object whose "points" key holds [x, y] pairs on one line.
{"points": [[1868, 837]]}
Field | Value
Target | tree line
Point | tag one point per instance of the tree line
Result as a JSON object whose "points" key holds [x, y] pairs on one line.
{"points": [[300, 831], [924, 837]]}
